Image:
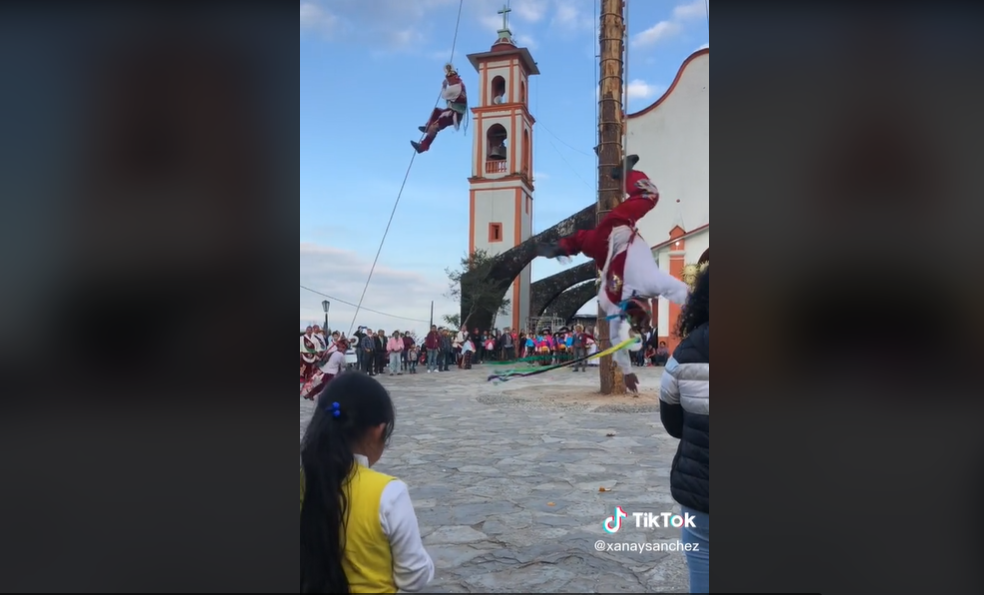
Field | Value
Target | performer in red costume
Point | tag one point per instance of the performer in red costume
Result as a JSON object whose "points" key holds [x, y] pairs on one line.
{"points": [[452, 115], [630, 275]]}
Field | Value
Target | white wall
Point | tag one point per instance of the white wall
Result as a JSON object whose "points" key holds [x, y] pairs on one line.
{"points": [[673, 143], [495, 206]]}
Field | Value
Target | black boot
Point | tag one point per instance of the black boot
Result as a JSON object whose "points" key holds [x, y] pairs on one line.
{"points": [[416, 146], [422, 129]]}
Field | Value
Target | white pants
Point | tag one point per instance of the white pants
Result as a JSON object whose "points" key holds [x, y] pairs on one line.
{"points": [[641, 279]]}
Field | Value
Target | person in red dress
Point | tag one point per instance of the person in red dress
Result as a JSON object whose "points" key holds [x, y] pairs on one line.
{"points": [[629, 273], [326, 372], [453, 92]]}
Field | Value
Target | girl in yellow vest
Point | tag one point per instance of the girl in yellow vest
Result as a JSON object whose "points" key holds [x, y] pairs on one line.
{"points": [[359, 532]]}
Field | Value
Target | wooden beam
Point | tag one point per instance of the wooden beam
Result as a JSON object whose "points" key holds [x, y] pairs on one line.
{"points": [[611, 118]]}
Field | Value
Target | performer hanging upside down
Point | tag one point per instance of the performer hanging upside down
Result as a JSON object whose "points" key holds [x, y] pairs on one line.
{"points": [[452, 115], [630, 276]]}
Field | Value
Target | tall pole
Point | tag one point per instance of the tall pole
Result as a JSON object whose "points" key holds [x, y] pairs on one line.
{"points": [[432, 316], [610, 126]]}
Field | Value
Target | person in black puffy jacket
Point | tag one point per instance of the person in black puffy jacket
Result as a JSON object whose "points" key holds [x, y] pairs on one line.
{"points": [[685, 410]]}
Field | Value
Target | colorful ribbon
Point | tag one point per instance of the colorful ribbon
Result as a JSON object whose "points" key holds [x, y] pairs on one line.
{"points": [[509, 375]]}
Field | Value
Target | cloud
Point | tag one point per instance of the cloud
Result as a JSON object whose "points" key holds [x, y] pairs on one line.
{"points": [[572, 18], [525, 41], [639, 89], [663, 30], [540, 176], [655, 34], [342, 274], [490, 22], [493, 24], [316, 19], [695, 10], [386, 25], [532, 11]]}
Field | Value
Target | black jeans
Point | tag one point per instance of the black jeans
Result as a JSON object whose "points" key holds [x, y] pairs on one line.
{"points": [[442, 361]]}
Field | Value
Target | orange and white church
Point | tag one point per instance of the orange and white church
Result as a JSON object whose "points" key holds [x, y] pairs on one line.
{"points": [[501, 184], [671, 137]]}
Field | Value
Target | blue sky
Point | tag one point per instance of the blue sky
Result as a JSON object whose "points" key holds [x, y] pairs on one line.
{"points": [[370, 71]]}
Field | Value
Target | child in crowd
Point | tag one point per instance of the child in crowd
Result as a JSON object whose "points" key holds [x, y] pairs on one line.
{"points": [[359, 532], [413, 357], [650, 356]]}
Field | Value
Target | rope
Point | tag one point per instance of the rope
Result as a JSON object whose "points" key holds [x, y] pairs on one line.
{"points": [[597, 76], [358, 308], [626, 80]]}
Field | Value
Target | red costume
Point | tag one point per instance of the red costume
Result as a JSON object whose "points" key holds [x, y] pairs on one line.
{"points": [[627, 266], [453, 92], [597, 243]]}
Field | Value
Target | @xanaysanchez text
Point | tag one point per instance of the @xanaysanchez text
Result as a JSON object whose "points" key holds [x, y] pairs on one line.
{"points": [[630, 547]]}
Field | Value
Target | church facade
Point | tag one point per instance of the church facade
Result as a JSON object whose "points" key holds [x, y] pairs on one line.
{"points": [[672, 138]]}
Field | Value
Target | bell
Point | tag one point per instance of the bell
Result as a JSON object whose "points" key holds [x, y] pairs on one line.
{"points": [[498, 153]]}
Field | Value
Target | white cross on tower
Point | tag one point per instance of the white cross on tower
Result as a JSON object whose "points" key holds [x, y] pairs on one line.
{"points": [[505, 17]]}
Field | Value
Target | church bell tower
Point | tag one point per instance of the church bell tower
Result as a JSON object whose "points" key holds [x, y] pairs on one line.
{"points": [[501, 184]]}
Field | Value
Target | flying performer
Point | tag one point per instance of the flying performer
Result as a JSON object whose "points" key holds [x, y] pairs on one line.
{"points": [[630, 276], [454, 93]]}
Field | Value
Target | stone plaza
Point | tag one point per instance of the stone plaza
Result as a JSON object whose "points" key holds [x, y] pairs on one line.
{"points": [[512, 483]]}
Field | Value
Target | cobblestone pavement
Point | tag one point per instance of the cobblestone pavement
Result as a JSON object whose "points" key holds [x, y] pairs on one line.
{"points": [[507, 491]]}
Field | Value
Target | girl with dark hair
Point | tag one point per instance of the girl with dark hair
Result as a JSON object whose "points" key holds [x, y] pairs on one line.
{"points": [[359, 532], [685, 410]]}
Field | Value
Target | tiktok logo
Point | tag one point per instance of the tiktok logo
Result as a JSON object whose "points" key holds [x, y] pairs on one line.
{"points": [[614, 523]]}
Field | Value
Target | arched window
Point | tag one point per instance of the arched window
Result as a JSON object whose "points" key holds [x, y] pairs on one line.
{"points": [[496, 152], [498, 91], [522, 93], [527, 160]]}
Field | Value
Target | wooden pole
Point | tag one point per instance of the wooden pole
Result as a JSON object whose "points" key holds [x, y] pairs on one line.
{"points": [[610, 126]]}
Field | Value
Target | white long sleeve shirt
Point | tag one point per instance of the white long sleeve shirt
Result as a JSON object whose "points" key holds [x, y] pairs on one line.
{"points": [[335, 364], [413, 568]]}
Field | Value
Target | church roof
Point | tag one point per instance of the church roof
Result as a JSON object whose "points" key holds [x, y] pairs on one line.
{"points": [[502, 50], [683, 67]]}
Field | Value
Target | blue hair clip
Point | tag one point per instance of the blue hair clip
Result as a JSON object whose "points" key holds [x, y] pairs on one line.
{"points": [[336, 410]]}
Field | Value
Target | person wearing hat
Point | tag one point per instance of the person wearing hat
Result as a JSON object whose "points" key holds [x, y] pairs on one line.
{"points": [[629, 273], [454, 93]]}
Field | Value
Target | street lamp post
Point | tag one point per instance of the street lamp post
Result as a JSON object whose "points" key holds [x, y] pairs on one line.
{"points": [[326, 305]]}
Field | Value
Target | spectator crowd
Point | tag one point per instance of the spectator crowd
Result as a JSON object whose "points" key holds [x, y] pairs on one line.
{"points": [[401, 352]]}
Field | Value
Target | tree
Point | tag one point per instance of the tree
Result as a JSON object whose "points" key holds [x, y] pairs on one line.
{"points": [[453, 321], [473, 288]]}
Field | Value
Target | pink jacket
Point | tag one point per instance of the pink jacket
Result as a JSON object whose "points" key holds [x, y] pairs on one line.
{"points": [[394, 345]]}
